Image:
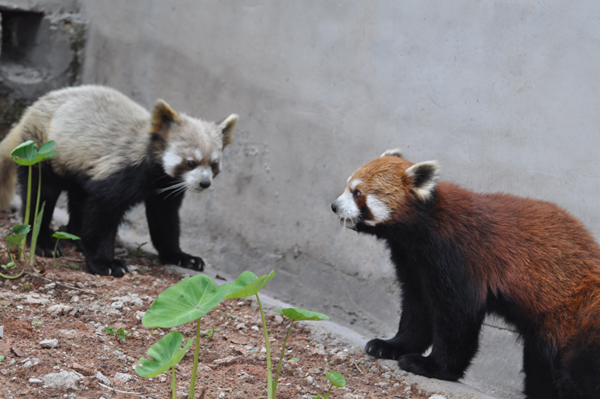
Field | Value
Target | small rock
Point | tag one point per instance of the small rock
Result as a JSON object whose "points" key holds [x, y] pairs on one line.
{"points": [[123, 377], [49, 343], [255, 328], [1, 332], [117, 305], [227, 359], [82, 369], [437, 397], [240, 326], [139, 315], [59, 309], [278, 318], [18, 351], [68, 333], [241, 303], [31, 300], [64, 380], [100, 377], [340, 357], [50, 286], [35, 381]]}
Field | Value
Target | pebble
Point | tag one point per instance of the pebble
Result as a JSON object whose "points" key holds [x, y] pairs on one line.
{"points": [[49, 343], [437, 397], [35, 381], [64, 380], [1, 331], [123, 377], [100, 377], [33, 362]]}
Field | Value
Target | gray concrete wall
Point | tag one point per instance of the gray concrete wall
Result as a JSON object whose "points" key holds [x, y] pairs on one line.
{"points": [[503, 94]]}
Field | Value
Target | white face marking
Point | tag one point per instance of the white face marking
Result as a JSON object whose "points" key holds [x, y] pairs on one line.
{"points": [[195, 176], [347, 210], [378, 209], [170, 161], [198, 154], [354, 183], [214, 156]]}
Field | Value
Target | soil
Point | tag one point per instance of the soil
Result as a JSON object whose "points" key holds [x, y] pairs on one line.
{"points": [[54, 302]]}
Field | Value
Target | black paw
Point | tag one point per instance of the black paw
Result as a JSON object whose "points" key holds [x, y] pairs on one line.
{"points": [[45, 247], [184, 260], [384, 349], [113, 267], [427, 367]]}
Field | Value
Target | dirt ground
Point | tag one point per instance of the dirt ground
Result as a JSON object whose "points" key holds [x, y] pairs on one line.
{"points": [[74, 308]]}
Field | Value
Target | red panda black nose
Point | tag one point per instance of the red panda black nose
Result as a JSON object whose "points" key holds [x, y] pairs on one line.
{"points": [[334, 207], [205, 183]]}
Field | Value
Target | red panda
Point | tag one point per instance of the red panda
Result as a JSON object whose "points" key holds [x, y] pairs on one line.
{"points": [[114, 154], [460, 255]]}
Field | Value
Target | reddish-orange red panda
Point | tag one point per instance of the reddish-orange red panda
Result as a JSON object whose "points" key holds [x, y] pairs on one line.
{"points": [[460, 255]]}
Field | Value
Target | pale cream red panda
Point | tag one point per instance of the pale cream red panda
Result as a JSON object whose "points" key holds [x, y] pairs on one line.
{"points": [[460, 255], [114, 154]]}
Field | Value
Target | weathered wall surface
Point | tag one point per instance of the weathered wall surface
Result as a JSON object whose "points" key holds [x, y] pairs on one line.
{"points": [[503, 94], [42, 43]]}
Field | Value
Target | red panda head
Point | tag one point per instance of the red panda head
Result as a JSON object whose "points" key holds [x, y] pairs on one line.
{"points": [[382, 191]]}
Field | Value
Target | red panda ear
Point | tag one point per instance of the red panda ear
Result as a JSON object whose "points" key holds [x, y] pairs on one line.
{"points": [[227, 128], [162, 115], [423, 177], [394, 153]]}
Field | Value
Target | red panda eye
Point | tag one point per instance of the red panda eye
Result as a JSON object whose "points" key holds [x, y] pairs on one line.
{"points": [[191, 164], [356, 194]]}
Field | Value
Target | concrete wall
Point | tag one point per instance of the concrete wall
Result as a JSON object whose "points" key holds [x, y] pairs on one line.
{"points": [[503, 94]]}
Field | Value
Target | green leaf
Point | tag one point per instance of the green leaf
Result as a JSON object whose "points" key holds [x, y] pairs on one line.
{"points": [[297, 314], [336, 379], [166, 353], [13, 241], [187, 300], [46, 147], [24, 152], [1, 358], [21, 229], [61, 235], [247, 284]]}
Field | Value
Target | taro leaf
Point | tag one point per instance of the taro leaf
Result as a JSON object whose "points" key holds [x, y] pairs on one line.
{"points": [[297, 314], [21, 229], [166, 353], [247, 284], [336, 379], [187, 300], [61, 235], [14, 240], [26, 153]]}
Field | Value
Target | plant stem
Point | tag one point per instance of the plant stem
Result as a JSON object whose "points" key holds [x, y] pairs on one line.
{"points": [[281, 357], [329, 390], [35, 233], [270, 391], [13, 277], [173, 384], [196, 356], [27, 213], [54, 253]]}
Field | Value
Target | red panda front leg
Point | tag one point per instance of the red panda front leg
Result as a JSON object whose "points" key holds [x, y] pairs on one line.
{"points": [[455, 343], [414, 332]]}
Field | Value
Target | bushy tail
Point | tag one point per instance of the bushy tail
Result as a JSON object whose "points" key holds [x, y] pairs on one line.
{"points": [[8, 169]]}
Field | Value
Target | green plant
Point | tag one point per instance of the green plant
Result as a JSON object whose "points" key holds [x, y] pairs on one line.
{"points": [[1, 358], [27, 154], [119, 333], [13, 241], [37, 323], [184, 302], [165, 353], [136, 253], [336, 379], [209, 334], [61, 235], [294, 314]]}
